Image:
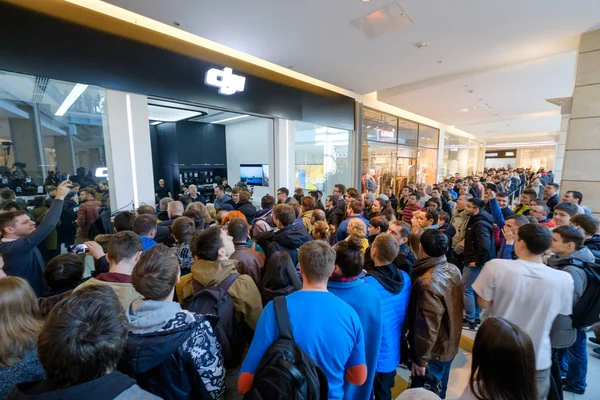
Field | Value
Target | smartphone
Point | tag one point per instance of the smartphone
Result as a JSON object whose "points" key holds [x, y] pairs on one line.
{"points": [[78, 248]]}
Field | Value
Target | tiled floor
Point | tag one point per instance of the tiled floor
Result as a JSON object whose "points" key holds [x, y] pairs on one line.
{"points": [[461, 369]]}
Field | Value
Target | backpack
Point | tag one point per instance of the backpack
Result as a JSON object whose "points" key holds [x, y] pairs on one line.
{"points": [[286, 371], [216, 301], [586, 311]]}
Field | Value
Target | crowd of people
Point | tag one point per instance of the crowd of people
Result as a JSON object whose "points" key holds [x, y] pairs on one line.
{"points": [[306, 297]]}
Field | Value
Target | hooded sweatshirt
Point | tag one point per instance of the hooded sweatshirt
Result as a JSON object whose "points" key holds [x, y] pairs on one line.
{"points": [[393, 287], [243, 291], [173, 353], [563, 334]]}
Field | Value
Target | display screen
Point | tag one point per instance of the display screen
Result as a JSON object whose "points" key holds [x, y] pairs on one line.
{"points": [[254, 174]]}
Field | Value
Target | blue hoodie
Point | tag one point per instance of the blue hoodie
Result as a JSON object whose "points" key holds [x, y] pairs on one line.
{"points": [[394, 305], [147, 242], [365, 301]]}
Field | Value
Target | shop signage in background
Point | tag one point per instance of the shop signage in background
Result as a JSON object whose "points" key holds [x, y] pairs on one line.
{"points": [[227, 82], [383, 133], [501, 154]]}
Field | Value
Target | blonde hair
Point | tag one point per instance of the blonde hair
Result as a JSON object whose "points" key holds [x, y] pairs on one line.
{"points": [[212, 212], [356, 227], [20, 321], [321, 230]]}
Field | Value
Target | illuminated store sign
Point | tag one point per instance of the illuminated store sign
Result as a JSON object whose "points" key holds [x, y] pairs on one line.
{"points": [[227, 82], [502, 154]]}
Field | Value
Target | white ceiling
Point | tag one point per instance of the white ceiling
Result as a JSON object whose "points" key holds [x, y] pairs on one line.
{"points": [[513, 54]]}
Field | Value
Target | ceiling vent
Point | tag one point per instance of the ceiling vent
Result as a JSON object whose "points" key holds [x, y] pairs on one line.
{"points": [[383, 21], [39, 89]]}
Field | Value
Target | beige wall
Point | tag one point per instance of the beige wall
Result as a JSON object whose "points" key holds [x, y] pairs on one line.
{"points": [[582, 152]]}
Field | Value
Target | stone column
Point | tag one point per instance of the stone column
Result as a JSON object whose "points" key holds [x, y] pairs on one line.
{"points": [[582, 150]]}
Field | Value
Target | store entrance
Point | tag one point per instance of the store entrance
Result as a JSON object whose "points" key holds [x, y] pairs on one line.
{"points": [[206, 147]]}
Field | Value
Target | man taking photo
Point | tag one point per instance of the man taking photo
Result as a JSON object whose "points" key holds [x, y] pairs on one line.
{"points": [[20, 238]]}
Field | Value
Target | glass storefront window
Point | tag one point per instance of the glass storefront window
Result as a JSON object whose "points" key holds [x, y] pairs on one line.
{"points": [[456, 155], [379, 160], [379, 127], [407, 132], [406, 172], [322, 157], [427, 166], [428, 137], [409, 152], [49, 129], [476, 157]]}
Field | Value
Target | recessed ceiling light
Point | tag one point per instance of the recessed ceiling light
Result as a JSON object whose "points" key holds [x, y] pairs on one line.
{"points": [[365, 1], [463, 110], [77, 90], [230, 119]]}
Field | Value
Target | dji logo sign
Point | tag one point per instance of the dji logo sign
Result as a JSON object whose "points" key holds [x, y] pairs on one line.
{"points": [[227, 82]]}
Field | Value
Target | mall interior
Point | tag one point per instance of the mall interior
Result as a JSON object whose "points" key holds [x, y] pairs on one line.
{"points": [[305, 96]]}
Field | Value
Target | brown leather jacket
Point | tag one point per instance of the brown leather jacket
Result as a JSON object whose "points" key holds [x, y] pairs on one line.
{"points": [[250, 261], [436, 310]]}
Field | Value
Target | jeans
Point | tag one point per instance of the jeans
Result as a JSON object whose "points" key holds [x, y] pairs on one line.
{"points": [[441, 370], [577, 361], [556, 392], [472, 309], [383, 384]]}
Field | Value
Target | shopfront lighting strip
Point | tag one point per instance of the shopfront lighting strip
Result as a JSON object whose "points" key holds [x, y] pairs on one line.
{"points": [[230, 119], [132, 151], [71, 98]]}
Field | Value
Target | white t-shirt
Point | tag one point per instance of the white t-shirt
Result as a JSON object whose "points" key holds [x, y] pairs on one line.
{"points": [[529, 295]]}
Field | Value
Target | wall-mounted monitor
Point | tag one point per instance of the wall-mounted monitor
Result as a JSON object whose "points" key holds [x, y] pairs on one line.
{"points": [[255, 174]]}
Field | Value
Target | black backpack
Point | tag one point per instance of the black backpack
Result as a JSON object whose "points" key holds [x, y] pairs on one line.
{"points": [[586, 311], [214, 300], [286, 372]]}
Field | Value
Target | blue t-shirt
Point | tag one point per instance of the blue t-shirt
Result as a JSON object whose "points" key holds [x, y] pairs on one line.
{"points": [[324, 326], [364, 299]]}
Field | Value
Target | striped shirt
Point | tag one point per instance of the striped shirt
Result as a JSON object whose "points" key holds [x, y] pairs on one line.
{"points": [[408, 212]]}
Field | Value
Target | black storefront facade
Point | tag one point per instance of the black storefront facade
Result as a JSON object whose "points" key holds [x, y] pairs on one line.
{"points": [[113, 62]]}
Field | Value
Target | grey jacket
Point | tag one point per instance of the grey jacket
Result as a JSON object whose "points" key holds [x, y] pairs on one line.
{"points": [[459, 221], [563, 334]]}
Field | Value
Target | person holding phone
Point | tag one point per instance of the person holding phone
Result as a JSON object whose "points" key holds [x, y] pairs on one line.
{"points": [[20, 239]]}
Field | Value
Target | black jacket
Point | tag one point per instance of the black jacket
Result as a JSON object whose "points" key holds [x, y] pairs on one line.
{"points": [[288, 239], [479, 239], [394, 202], [162, 216], [551, 203], [335, 216], [405, 259], [163, 230], [110, 386], [593, 244], [160, 365], [68, 216], [247, 209]]}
